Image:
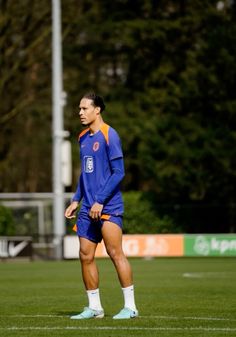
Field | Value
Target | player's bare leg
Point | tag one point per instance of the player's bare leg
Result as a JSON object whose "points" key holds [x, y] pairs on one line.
{"points": [[112, 237], [88, 265], [91, 281]]}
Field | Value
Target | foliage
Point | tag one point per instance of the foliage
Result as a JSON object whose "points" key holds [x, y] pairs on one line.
{"points": [[167, 72], [25, 33], [141, 217], [7, 225]]}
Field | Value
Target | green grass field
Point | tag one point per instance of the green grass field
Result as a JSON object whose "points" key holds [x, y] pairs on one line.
{"points": [[175, 297]]}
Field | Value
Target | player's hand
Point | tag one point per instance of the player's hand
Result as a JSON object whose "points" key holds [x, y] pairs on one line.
{"points": [[96, 211], [71, 210]]}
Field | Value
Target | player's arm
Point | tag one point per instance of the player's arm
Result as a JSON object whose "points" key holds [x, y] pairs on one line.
{"points": [[118, 172], [79, 190], [72, 208]]}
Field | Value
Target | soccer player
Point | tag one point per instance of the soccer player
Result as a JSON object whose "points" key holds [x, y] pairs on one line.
{"points": [[100, 215]]}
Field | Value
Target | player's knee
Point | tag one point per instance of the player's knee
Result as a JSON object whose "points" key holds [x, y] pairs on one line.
{"points": [[114, 253], [86, 257]]}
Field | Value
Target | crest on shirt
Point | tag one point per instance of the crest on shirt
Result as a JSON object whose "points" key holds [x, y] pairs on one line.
{"points": [[95, 146], [88, 164]]}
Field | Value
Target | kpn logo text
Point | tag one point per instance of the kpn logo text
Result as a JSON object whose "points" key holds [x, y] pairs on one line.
{"points": [[214, 246]]}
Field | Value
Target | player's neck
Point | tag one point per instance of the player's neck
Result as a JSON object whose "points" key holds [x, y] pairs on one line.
{"points": [[96, 125]]}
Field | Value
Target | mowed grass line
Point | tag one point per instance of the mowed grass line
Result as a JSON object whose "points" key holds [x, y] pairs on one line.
{"points": [[175, 297]]}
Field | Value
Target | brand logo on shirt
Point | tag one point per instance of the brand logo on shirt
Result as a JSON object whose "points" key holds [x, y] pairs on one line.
{"points": [[95, 146], [88, 164]]}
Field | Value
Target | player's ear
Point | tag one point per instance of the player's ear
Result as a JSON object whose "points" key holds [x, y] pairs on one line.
{"points": [[98, 110]]}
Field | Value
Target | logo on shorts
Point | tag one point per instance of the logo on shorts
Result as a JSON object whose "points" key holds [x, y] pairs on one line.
{"points": [[88, 164], [95, 146]]}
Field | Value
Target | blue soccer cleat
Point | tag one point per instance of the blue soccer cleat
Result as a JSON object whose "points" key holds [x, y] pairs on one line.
{"points": [[89, 313], [126, 313]]}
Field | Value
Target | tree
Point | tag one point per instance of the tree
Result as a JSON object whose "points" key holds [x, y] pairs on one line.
{"points": [[167, 72], [25, 95]]}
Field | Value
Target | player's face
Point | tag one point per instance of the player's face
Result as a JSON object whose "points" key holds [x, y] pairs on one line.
{"points": [[88, 113]]}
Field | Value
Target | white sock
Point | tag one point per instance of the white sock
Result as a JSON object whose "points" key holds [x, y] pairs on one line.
{"points": [[128, 293], [94, 299]]}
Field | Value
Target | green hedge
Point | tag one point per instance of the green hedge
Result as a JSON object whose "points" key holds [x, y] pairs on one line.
{"points": [[141, 216], [7, 225]]}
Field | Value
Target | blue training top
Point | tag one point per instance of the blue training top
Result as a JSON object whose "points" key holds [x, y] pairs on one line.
{"points": [[102, 170]]}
